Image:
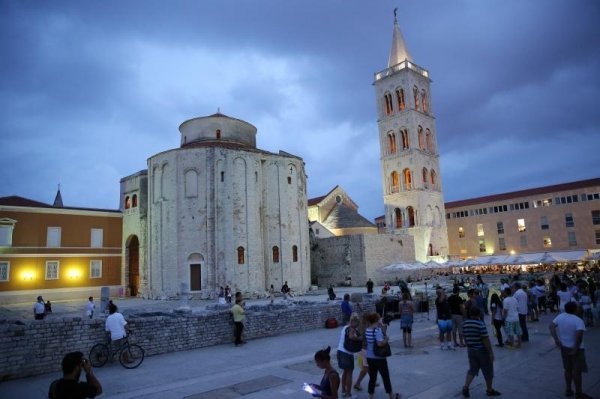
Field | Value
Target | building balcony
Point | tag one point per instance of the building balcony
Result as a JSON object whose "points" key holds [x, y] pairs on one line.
{"points": [[398, 67]]}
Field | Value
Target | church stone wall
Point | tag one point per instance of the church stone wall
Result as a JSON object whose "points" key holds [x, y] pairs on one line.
{"points": [[354, 259]]}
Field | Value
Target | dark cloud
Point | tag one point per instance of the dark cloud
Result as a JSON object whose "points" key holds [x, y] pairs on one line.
{"points": [[88, 91]]}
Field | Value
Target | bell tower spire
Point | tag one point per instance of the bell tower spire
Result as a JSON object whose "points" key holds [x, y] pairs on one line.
{"points": [[399, 51]]}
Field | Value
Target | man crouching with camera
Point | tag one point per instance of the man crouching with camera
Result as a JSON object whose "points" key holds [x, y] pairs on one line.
{"points": [[69, 385]]}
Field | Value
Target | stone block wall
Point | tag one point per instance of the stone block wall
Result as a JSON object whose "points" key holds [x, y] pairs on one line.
{"points": [[36, 347]]}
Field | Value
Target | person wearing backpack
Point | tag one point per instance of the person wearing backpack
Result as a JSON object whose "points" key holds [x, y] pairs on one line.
{"points": [[350, 342]]}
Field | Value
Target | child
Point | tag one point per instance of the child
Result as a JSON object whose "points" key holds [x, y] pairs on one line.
{"points": [[89, 307], [586, 304]]}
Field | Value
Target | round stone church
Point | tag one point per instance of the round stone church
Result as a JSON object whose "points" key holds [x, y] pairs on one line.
{"points": [[216, 211]]}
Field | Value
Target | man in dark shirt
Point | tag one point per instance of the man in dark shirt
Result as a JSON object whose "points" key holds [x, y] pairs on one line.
{"points": [[69, 386], [457, 309], [481, 355], [370, 286]]}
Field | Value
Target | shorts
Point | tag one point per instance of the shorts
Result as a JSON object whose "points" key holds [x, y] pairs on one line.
{"points": [[457, 323], [479, 359], [345, 360], [444, 326], [576, 362], [513, 328], [406, 322]]}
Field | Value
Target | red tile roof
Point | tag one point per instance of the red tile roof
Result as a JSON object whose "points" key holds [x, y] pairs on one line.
{"points": [[525, 193]]}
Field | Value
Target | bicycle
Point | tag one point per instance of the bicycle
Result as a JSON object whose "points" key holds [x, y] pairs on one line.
{"points": [[130, 355]]}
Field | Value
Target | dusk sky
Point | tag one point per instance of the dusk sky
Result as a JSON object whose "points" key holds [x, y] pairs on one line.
{"points": [[90, 90]]}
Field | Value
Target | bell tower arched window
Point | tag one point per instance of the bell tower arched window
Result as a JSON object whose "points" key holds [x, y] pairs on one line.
{"points": [[275, 254], [389, 105], [134, 201], [407, 179], [429, 141], [241, 258], [411, 216], [421, 138], [400, 99], [424, 101], [398, 218], [425, 177], [392, 143], [416, 97], [395, 182], [405, 142], [127, 202], [433, 178]]}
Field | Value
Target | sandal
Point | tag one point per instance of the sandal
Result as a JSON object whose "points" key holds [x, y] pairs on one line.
{"points": [[492, 392], [357, 387]]}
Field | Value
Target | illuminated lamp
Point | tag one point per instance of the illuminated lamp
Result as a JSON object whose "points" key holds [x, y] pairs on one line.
{"points": [[27, 276]]}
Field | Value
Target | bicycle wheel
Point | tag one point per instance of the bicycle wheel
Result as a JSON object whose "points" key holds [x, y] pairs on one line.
{"points": [[99, 355], [131, 356]]}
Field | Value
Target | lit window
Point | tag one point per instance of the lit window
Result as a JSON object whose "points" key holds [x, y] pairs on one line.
{"points": [[407, 179], [395, 182], [521, 225], [95, 269], [275, 254], [572, 238], [547, 242], [53, 238], [97, 238], [400, 98], [4, 270], [52, 270], [241, 256], [480, 232], [294, 253], [481, 245], [461, 232]]}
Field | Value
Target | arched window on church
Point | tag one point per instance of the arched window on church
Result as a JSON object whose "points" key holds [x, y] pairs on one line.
{"points": [[218, 133], [405, 142], [395, 182], [424, 101], [241, 255], [411, 216], [389, 106], [398, 218], [425, 177], [392, 143], [294, 253], [400, 99], [275, 254], [433, 178], [407, 179], [134, 203], [127, 202], [429, 141], [421, 138], [430, 250], [416, 97]]}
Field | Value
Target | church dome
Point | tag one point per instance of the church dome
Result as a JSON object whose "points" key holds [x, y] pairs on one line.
{"points": [[217, 128]]}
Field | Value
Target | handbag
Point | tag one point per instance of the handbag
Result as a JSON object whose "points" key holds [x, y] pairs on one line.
{"points": [[382, 351], [352, 345]]}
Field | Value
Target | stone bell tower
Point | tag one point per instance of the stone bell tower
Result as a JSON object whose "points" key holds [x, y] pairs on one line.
{"points": [[410, 168]]}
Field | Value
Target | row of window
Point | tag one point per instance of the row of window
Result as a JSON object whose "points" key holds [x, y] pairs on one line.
{"points": [[53, 237], [521, 227], [546, 241], [241, 254], [424, 138], [52, 271], [420, 100], [429, 178], [569, 199], [519, 206]]}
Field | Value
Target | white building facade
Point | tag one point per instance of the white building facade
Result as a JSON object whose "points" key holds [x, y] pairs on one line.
{"points": [[410, 168], [221, 212]]}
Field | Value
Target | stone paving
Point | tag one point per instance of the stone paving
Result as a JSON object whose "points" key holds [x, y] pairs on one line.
{"points": [[276, 367]]}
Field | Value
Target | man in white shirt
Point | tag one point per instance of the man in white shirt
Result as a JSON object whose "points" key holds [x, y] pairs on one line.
{"points": [[115, 324], [510, 313], [521, 296], [39, 309], [567, 330]]}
